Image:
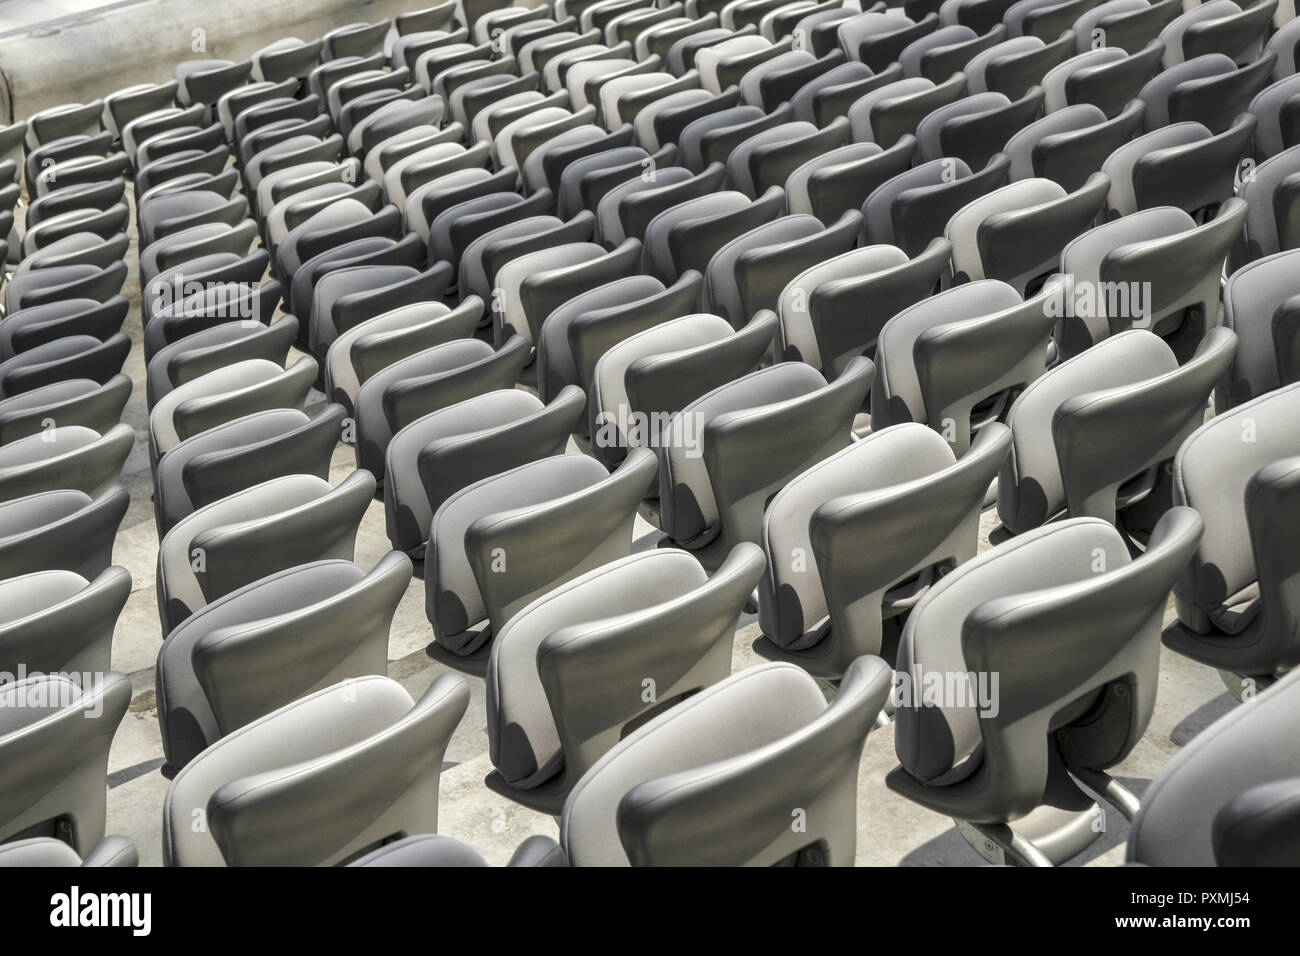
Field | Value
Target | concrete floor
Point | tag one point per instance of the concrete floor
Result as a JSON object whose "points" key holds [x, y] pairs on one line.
{"points": [[891, 830]]}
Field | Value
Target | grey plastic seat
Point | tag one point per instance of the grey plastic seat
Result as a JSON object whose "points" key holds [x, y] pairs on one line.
{"points": [[178, 153], [714, 218], [77, 248], [711, 137], [226, 393], [38, 325], [1259, 305], [710, 59], [886, 114], [42, 233], [336, 774], [1283, 42], [1237, 602], [68, 119], [1151, 171], [1090, 436], [1154, 269], [329, 72], [834, 311], [879, 209], [648, 177], [877, 39], [274, 121], [1068, 146], [1219, 26], [153, 171], [810, 101], [948, 34], [502, 542], [712, 781], [293, 199], [216, 347], [476, 274], [57, 622], [73, 356], [85, 281], [841, 179], [213, 305], [766, 159], [404, 178], [641, 382], [591, 334], [368, 251], [138, 131], [748, 274], [344, 298], [853, 542], [271, 642], [529, 287], [654, 616], [1268, 190], [341, 222], [1158, 91], [1016, 233], [1015, 65], [55, 734], [1125, 24], [457, 225], [204, 81], [440, 453], [75, 401], [246, 536], [391, 119], [406, 390], [1274, 108], [64, 456], [1006, 760], [557, 364], [1057, 81], [354, 39], [50, 852], [668, 123], [236, 101], [60, 530], [977, 126], [1045, 19], [135, 101], [375, 343], [168, 213], [1228, 797], [956, 361], [240, 453], [719, 461]]}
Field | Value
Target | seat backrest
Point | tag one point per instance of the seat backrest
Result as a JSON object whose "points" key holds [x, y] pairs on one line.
{"points": [[764, 742], [1031, 489], [802, 527], [1105, 437], [991, 758], [57, 622], [1226, 469], [55, 734], [1252, 298], [688, 508], [896, 393], [740, 447], [1181, 821], [329, 775], [519, 553]]}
